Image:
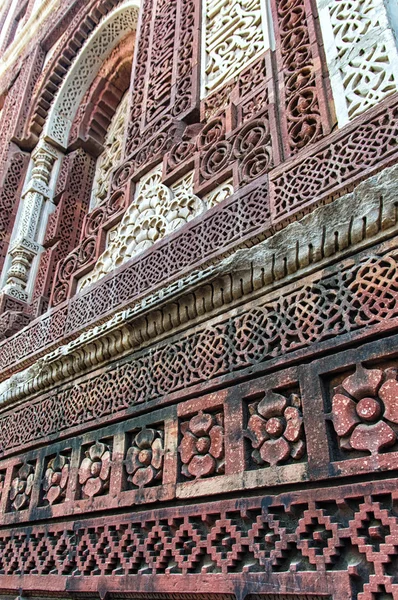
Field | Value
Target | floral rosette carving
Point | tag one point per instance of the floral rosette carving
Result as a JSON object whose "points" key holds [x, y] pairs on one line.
{"points": [[275, 429], [365, 410], [94, 471], [21, 487], [144, 458], [56, 479], [202, 445]]}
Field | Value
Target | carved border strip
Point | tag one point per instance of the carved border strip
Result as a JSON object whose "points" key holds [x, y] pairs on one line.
{"points": [[334, 307], [9, 194], [304, 108], [349, 223], [336, 164], [317, 451], [71, 554]]}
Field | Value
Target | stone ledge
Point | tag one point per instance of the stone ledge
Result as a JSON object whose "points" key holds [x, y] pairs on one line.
{"points": [[351, 223]]}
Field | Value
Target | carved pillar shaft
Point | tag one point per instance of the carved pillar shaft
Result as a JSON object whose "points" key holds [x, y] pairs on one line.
{"points": [[25, 246]]}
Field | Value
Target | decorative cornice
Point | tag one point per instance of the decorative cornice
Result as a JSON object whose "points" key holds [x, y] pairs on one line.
{"points": [[328, 170], [350, 223]]}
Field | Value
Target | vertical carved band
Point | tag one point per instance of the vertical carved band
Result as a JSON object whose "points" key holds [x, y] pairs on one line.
{"points": [[12, 184], [304, 111]]}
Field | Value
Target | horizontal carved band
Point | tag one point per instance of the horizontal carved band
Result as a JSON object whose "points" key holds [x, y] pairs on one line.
{"points": [[349, 223], [360, 296], [330, 542], [327, 419]]}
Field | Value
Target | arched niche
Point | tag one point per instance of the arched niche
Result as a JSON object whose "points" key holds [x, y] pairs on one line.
{"points": [[84, 70], [97, 109]]}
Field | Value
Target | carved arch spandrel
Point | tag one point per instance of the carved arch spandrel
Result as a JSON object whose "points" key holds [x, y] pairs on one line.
{"points": [[75, 181], [96, 110]]}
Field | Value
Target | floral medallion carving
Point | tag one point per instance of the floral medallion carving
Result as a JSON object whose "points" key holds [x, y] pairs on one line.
{"points": [[155, 212], [94, 471], [275, 430], [21, 487], [144, 458], [365, 410], [56, 479], [202, 445]]}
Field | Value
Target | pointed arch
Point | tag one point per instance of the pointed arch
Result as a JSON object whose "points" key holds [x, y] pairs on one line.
{"points": [[99, 45]]}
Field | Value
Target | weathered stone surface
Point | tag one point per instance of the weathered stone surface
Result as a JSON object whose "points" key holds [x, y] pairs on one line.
{"points": [[199, 374]]}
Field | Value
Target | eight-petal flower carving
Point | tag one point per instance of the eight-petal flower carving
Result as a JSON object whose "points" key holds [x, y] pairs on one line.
{"points": [[21, 487], [363, 408], [56, 478], [94, 472], [144, 459], [202, 445], [275, 429]]}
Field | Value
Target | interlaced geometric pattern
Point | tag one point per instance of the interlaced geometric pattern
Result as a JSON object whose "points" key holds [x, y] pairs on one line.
{"points": [[348, 155], [207, 420], [342, 302], [147, 220], [361, 52], [366, 149]]}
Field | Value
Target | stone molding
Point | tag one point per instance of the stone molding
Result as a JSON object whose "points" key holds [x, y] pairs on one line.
{"points": [[350, 223], [317, 436], [146, 541], [325, 312]]}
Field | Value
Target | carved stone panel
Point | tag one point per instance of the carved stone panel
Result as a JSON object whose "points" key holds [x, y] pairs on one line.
{"points": [[235, 33], [362, 53]]}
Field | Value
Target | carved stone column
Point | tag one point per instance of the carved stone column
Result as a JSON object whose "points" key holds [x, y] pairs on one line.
{"points": [[25, 246]]}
